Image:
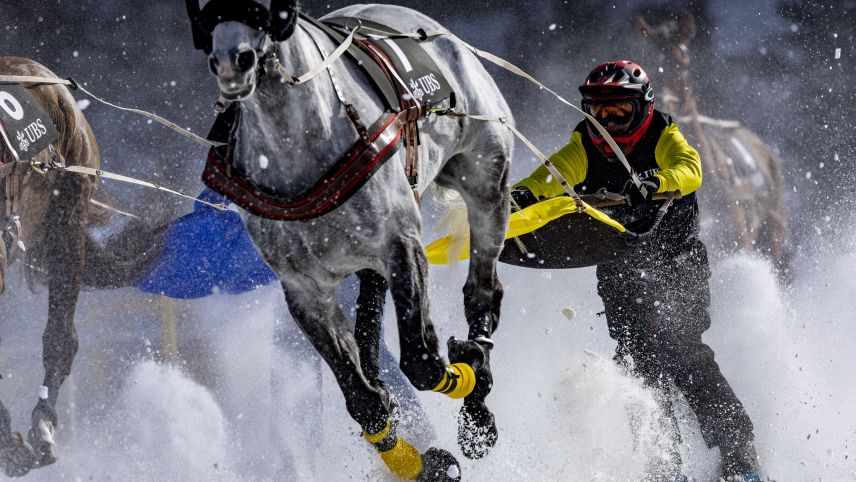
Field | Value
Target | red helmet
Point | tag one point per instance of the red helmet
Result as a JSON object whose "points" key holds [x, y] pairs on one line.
{"points": [[618, 94]]}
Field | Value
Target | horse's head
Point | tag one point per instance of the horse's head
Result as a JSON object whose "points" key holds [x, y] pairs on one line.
{"points": [[669, 32], [236, 35]]}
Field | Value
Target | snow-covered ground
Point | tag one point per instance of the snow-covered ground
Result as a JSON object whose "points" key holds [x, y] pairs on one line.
{"points": [[246, 408]]}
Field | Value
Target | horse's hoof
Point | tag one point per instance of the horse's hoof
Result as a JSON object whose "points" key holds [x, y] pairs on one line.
{"points": [[42, 441], [16, 455], [477, 432], [439, 466]]}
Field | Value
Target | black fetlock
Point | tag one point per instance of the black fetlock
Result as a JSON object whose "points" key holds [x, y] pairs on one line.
{"points": [[439, 465], [477, 432]]}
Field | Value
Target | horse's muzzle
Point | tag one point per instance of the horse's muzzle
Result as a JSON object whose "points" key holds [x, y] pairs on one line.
{"points": [[235, 72]]}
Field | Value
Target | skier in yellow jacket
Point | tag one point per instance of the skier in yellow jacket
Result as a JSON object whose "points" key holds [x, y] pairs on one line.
{"points": [[656, 300]]}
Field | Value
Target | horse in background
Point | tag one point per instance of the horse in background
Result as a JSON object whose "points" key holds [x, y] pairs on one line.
{"points": [[53, 209], [743, 199], [49, 220]]}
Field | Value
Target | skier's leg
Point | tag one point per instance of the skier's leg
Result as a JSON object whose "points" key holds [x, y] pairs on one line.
{"points": [[626, 298], [722, 417]]}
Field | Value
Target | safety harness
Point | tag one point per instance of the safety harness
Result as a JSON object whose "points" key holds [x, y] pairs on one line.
{"points": [[406, 79]]}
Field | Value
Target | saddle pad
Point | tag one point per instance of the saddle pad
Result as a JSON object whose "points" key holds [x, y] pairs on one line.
{"points": [[25, 127], [411, 63]]}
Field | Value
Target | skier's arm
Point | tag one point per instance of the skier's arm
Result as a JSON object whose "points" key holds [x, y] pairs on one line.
{"points": [[571, 161], [680, 165]]}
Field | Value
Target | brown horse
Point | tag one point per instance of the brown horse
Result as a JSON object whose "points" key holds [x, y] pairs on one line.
{"points": [[54, 210], [743, 202]]}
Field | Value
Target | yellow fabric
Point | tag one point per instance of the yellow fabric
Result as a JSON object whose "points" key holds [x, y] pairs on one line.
{"points": [[403, 460], [458, 381], [522, 222], [679, 162], [570, 160]]}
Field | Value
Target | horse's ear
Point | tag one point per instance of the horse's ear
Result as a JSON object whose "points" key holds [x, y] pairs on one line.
{"points": [[644, 26], [283, 19], [201, 38], [687, 27]]}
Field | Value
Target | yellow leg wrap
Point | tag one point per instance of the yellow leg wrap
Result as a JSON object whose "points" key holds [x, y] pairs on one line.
{"points": [[403, 460], [374, 438], [458, 381]]}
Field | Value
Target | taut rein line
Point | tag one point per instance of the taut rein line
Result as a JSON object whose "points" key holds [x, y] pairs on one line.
{"points": [[290, 79], [423, 35], [42, 167]]}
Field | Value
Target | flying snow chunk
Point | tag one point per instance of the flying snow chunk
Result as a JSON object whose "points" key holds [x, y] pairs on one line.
{"points": [[838, 53], [43, 392], [552, 26], [264, 162], [82, 104], [453, 472], [569, 313], [75, 54]]}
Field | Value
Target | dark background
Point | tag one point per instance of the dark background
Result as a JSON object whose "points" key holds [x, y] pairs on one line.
{"points": [[767, 63]]}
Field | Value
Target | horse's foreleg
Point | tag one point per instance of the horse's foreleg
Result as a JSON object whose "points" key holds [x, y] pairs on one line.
{"points": [[483, 186], [16, 455], [63, 248]]}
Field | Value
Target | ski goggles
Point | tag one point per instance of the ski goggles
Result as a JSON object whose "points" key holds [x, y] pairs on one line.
{"points": [[615, 115]]}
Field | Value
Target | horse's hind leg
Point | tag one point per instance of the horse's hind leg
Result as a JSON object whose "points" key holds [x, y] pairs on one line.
{"points": [[369, 316], [482, 182], [375, 356], [63, 251]]}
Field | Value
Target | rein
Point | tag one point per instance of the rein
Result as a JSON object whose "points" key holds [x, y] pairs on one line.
{"points": [[43, 167]]}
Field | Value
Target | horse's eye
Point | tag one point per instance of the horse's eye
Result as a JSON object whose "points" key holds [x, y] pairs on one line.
{"points": [[246, 60]]}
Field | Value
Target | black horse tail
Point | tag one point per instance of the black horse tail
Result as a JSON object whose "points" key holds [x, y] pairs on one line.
{"points": [[123, 258]]}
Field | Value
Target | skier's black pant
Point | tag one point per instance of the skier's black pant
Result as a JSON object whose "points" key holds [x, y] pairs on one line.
{"points": [[657, 309]]}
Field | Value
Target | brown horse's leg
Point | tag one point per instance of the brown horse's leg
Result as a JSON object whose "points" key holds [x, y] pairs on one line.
{"points": [[16, 455], [63, 246]]}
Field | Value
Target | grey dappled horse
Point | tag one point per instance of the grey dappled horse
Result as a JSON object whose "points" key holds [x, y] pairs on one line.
{"points": [[376, 234]]}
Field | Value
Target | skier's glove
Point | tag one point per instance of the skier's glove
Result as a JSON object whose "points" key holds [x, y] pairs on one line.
{"points": [[523, 197], [636, 196]]}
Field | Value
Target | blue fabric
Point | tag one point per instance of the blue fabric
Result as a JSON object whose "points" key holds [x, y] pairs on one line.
{"points": [[207, 251]]}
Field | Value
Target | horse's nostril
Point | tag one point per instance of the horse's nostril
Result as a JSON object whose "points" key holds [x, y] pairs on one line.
{"points": [[246, 60]]}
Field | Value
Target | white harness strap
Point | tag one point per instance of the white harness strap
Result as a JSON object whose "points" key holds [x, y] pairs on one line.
{"points": [[23, 79], [423, 35], [314, 71]]}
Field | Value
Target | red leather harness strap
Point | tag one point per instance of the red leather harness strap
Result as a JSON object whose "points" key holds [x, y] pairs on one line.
{"points": [[334, 188]]}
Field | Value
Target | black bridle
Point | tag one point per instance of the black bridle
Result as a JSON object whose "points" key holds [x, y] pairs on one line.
{"points": [[278, 22]]}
